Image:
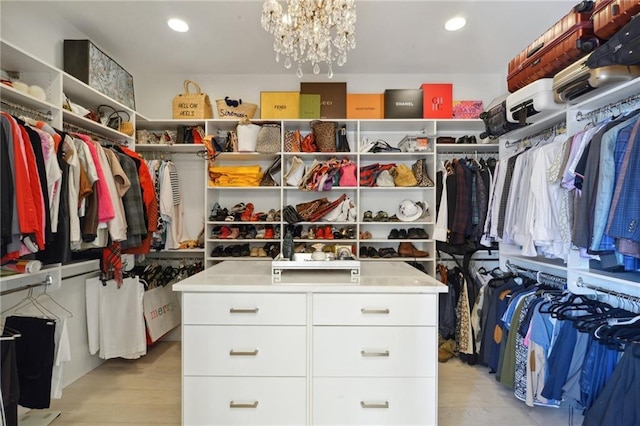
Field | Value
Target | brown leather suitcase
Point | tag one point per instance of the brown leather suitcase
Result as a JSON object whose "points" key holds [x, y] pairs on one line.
{"points": [[611, 15], [567, 41]]}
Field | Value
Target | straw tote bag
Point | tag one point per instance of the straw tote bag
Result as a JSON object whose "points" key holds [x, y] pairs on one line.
{"points": [[192, 105]]}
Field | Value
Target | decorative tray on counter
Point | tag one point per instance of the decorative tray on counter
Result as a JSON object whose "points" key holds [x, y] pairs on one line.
{"points": [[304, 261]]}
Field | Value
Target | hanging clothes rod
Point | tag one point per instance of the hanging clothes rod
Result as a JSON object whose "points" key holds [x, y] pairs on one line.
{"points": [[25, 110], [582, 284], [68, 127], [545, 134], [621, 105], [541, 277], [46, 282]]}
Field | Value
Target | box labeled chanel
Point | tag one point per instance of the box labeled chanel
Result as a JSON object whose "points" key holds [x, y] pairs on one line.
{"points": [[87, 63], [403, 103]]}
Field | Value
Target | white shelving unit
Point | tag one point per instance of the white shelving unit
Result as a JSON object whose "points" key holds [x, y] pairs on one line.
{"points": [[577, 268]]}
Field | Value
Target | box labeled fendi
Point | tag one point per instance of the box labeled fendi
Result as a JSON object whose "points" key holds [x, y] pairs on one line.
{"points": [[333, 98], [279, 105], [365, 105], [309, 106], [87, 63], [403, 103], [437, 100]]}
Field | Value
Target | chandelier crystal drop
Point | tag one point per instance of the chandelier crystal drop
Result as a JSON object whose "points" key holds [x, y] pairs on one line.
{"points": [[312, 31]]}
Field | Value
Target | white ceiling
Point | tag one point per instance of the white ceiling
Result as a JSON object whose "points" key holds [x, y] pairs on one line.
{"points": [[393, 36]]}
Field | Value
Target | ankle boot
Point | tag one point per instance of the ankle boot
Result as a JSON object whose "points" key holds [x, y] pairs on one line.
{"points": [[407, 249]]}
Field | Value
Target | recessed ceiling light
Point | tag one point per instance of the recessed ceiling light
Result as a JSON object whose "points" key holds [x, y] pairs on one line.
{"points": [[178, 25], [454, 24]]}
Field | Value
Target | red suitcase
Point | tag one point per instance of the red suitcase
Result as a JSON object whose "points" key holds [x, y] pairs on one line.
{"points": [[611, 15], [561, 45]]}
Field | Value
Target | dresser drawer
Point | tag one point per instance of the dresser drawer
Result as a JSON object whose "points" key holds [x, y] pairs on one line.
{"points": [[374, 351], [244, 401], [244, 350], [364, 401], [375, 309], [244, 308]]}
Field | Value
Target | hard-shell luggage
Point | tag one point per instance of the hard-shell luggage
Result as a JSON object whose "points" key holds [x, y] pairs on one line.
{"points": [[623, 48], [611, 15], [578, 79], [495, 119], [532, 103], [567, 41]]}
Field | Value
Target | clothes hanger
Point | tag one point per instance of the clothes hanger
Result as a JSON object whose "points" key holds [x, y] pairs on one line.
{"points": [[27, 301], [47, 296]]}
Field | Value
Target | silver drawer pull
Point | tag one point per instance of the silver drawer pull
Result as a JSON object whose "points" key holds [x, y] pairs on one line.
{"points": [[243, 353], [253, 404], [374, 311], [374, 404], [365, 353], [243, 310]]}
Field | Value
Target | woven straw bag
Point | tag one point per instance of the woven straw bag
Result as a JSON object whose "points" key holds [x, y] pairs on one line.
{"points": [[228, 108], [192, 105], [325, 135]]}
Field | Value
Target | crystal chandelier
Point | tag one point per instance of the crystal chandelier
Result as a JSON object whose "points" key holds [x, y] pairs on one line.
{"points": [[311, 31]]}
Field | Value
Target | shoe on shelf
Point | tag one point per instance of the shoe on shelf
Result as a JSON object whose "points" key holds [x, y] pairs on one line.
{"points": [[422, 234], [367, 216], [363, 252], [402, 234], [235, 233], [262, 252], [214, 212], [393, 234], [328, 232], [320, 233], [407, 249], [372, 252], [260, 231], [217, 251], [225, 231], [253, 252], [269, 232], [247, 213], [222, 215], [381, 216], [245, 250]]}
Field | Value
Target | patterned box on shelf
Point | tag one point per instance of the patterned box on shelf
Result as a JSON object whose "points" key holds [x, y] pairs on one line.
{"points": [[87, 63], [279, 105], [467, 109], [437, 100], [365, 105]]}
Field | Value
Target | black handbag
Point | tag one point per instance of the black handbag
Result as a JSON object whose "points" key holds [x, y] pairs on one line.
{"points": [[343, 143]]}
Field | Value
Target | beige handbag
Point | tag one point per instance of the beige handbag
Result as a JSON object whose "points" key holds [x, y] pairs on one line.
{"points": [[268, 139], [324, 133], [189, 105]]}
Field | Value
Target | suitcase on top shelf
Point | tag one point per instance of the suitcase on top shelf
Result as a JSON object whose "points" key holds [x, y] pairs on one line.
{"points": [[623, 48], [495, 119], [567, 41], [532, 103], [611, 15], [578, 79]]}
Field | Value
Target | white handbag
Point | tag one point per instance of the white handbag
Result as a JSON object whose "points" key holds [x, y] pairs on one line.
{"points": [[247, 136], [296, 171]]}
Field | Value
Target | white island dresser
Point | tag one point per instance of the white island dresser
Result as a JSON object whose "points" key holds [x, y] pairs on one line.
{"points": [[313, 349]]}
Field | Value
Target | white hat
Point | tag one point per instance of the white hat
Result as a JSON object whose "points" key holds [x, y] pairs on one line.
{"points": [[409, 211]]}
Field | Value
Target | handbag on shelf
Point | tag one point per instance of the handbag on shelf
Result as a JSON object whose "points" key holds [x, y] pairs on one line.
{"points": [[383, 146], [247, 135], [268, 179], [324, 133], [403, 176], [309, 143], [419, 169], [189, 105], [343, 143], [268, 140], [292, 141], [113, 119], [231, 144]]}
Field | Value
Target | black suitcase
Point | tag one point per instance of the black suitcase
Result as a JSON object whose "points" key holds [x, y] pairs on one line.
{"points": [[495, 119], [623, 48]]}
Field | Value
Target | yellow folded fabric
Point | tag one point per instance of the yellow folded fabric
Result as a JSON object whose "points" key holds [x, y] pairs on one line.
{"points": [[235, 175]]}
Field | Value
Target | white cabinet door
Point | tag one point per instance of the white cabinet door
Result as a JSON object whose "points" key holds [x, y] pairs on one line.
{"points": [[364, 401], [374, 309], [374, 351], [245, 308], [244, 351], [244, 401]]}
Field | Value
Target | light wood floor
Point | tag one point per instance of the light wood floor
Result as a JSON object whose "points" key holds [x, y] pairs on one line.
{"points": [[147, 392]]}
